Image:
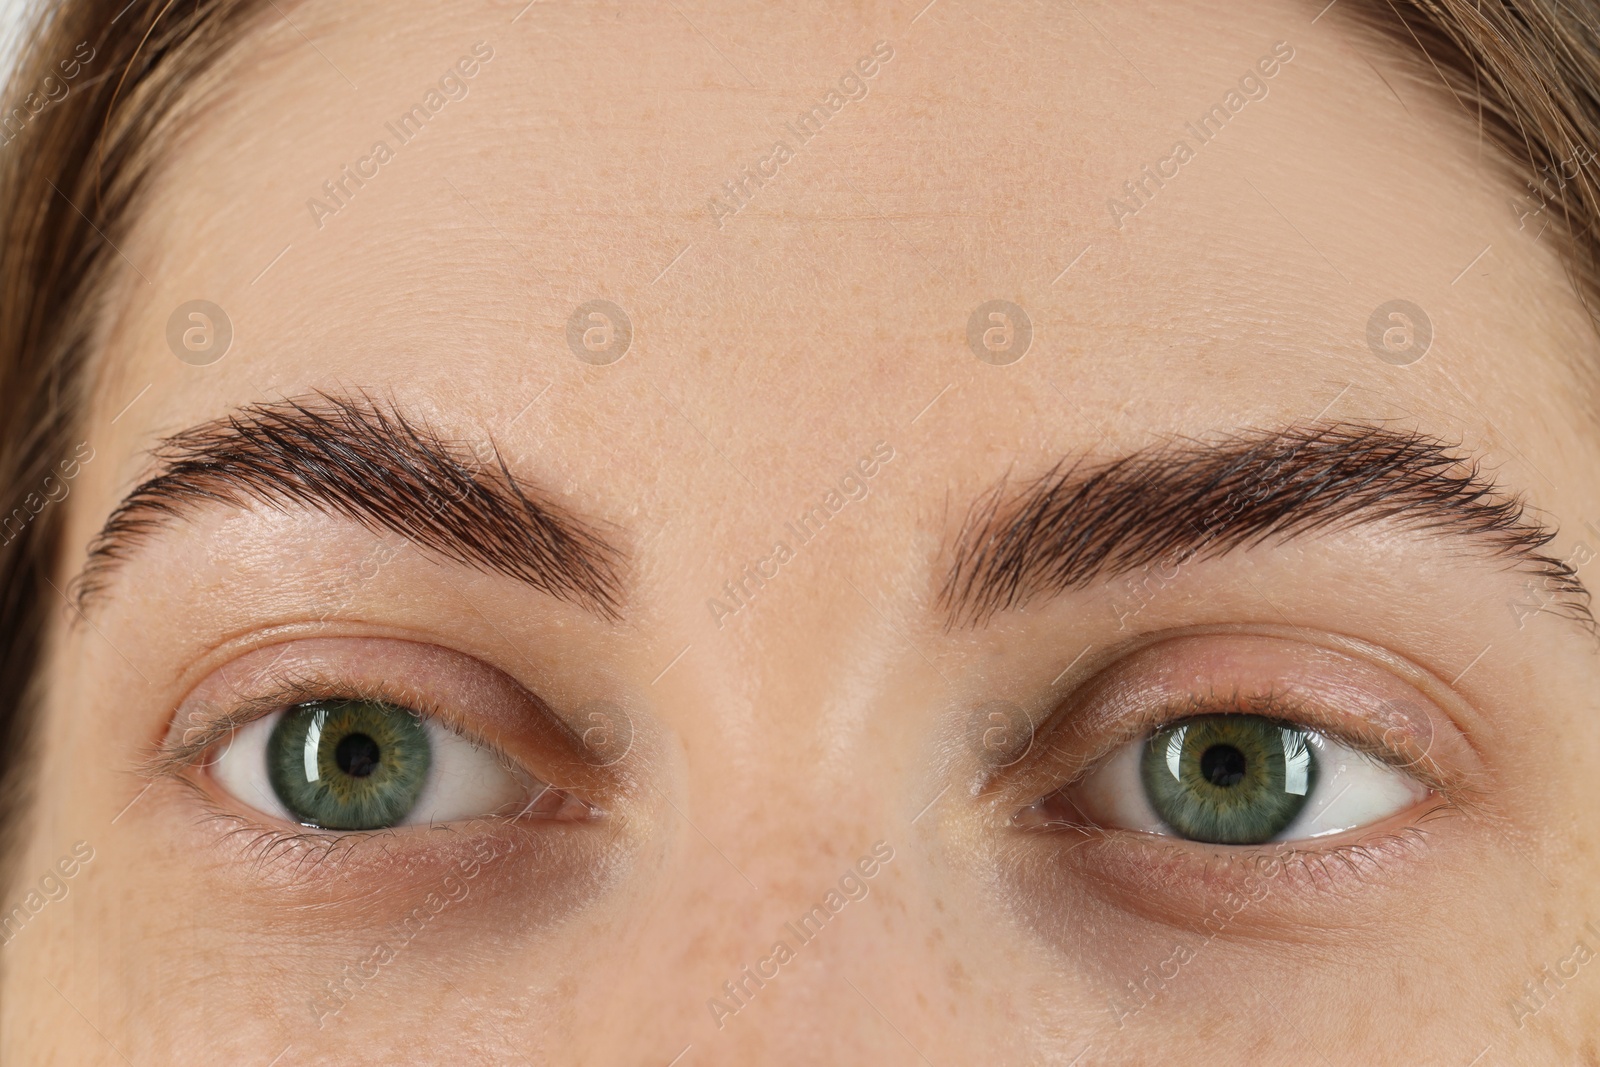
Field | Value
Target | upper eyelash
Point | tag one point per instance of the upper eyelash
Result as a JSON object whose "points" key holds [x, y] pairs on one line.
{"points": [[285, 689], [1276, 705]]}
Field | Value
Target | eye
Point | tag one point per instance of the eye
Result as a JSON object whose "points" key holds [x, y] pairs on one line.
{"points": [[1232, 779], [369, 765]]}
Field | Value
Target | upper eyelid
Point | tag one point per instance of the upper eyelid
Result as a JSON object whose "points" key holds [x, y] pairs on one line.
{"points": [[176, 755], [1272, 705], [462, 691], [1365, 695]]}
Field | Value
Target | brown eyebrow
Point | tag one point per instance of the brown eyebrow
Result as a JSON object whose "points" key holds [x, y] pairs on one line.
{"points": [[1187, 499], [368, 462]]}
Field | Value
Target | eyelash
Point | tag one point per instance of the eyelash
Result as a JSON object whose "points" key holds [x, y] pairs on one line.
{"points": [[1272, 704], [178, 757], [1303, 863], [269, 844], [282, 690], [1310, 863]]}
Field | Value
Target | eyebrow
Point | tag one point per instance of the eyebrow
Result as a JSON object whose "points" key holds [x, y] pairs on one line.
{"points": [[368, 462], [1185, 499]]}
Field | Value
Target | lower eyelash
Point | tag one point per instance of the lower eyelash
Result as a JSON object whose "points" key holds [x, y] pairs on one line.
{"points": [[299, 852], [1370, 854], [268, 847], [1334, 867], [309, 848], [284, 689]]}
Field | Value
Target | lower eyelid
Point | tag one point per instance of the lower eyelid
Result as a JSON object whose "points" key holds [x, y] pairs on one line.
{"points": [[1294, 889]]}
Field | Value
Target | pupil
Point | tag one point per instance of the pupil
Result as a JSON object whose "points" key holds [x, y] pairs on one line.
{"points": [[357, 755], [1221, 765]]}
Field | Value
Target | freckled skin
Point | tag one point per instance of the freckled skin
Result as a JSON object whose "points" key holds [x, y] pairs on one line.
{"points": [[829, 313]]}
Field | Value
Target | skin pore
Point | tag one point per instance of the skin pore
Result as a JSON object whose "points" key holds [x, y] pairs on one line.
{"points": [[783, 736]]}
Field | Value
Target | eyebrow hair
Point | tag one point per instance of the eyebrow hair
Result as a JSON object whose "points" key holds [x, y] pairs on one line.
{"points": [[1186, 499], [367, 462]]}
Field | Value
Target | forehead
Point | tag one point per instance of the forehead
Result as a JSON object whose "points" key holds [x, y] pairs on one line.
{"points": [[800, 212]]}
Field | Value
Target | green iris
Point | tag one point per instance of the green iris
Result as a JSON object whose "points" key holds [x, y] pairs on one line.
{"points": [[1229, 779], [349, 764]]}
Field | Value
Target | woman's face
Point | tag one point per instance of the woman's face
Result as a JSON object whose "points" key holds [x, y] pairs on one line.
{"points": [[745, 533]]}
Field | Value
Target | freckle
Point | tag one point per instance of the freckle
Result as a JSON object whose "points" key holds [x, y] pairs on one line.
{"points": [[956, 976], [922, 1001], [935, 937], [938, 904]]}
